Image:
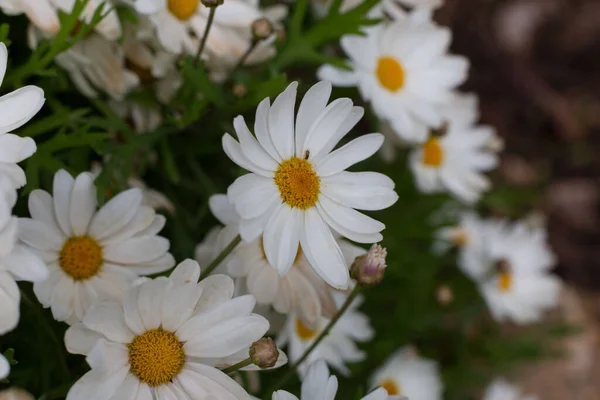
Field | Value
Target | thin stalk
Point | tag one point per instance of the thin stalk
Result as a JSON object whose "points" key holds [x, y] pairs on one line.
{"points": [[215, 263], [321, 336], [244, 56], [232, 368], [211, 17]]}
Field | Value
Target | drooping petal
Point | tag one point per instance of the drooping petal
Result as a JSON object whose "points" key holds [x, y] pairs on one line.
{"points": [[282, 236], [14, 149], [18, 107]]}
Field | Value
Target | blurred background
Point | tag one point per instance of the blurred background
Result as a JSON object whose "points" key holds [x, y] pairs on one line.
{"points": [[536, 66]]}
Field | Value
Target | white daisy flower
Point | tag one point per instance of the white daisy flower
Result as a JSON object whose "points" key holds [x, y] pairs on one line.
{"points": [[338, 347], [42, 13], [300, 291], [319, 385], [17, 108], [15, 394], [502, 390], [164, 339], [466, 235], [455, 158], [299, 188], [92, 254], [407, 374], [512, 268], [404, 70]]}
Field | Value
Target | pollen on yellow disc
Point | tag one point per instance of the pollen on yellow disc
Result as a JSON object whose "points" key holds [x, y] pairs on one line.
{"points": [[433, 154], [390, 73], [183, 9], [504, 281], [298, 183], [80, 257], [156, 357], [391, 387], [303, 331]]}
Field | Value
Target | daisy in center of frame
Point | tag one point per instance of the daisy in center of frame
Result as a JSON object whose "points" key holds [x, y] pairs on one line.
{"points": [[298, 189]]}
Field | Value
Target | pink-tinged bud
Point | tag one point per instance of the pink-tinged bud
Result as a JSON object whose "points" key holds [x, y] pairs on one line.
{"points": [[264, 353], [369, 268]]}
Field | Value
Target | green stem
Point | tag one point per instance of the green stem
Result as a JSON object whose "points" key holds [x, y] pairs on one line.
{"points": [[318, 340], [211, 17], [244, 363], [244, 57], [215, 263]]}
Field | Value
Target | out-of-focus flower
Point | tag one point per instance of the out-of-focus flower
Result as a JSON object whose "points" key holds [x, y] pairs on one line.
{"points": [[502, 390], [403, 69], [407, 374], [338, 347], [298, 189], [92, 254], [164, 339], [15, 394]]}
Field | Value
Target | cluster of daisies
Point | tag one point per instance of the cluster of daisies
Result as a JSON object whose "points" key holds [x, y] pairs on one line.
{"points": [[285, 259]]}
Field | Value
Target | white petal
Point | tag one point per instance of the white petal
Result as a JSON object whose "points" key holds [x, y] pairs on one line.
{"points": [[9, 303], [349, 222], [18, 107], [326, 125], [62, 188], [261, 129], [357, 150], [198, 378], [4, 365], [216, 289], [150, 301], [158, 223], [108, 319], [142, 220], [128, 389], [14, 149], [41, 207], [83, 203], [80, 340], [281, 121], [160, 264], [337, 76], [107, 357], [222, 209], [282, 236], [136, 250], [251, 148], [39, 235], [351, 120], [234, 151], [322, 251], [25, 265], [313, 103], [187, 271], [3, 61], [62, 298], [95, 385], [257, 199], [179, 304], [131, 311], [362, 197], [148, 6], [115, 214], [9, 236]]}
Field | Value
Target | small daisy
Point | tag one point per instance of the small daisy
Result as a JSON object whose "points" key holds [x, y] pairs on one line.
{"points": [[465, 235], [512, 269], [300, 291], [319, 385], [404, 70], [15, 394], [92, 254], [502, 390], [17, 107], [298, 189], [338, 347], [163, 340], [454, 158], [407, 374]]}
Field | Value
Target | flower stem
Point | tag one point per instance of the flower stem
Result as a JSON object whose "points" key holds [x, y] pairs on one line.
{"points": [[244, 56], [232, 368], [211, 17], [215, 263], [318, 340]]}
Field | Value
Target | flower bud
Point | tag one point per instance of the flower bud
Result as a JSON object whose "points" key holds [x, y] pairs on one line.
{"points": [[444, 295], [369, 268], [262, 28], [239, 90], [264, 353], [212, 3]]}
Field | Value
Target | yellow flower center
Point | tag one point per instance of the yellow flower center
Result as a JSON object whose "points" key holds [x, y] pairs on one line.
{"points": [[390, 73], [504, 281], [391, 387], [298, 183], [80, 257], [459, 237], [183, 9], [304, 332], [156, 357], [433, 154]]}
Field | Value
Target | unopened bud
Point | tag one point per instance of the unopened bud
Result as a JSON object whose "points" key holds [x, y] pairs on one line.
{"points": [[264, 353], [262, 28], [369, 268], [212, 3], [15, 394], [239, 90], [444, 295]]}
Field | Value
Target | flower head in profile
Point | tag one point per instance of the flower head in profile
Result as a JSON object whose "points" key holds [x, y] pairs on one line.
{"points": [[298, 189], [500, 389], [407, 374], [318, 384], [512, 267], [301, 291], [338, 347], [92, 254], [165, 339], [454, 158], [403, 69]]}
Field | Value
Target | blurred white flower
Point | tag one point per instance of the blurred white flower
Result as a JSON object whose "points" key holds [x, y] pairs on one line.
{"points": [[403, 69], [338, 347], [512, 267], [319, 385], [300, 291], [467, 235], [164, 339], [502, 390], [298, 189], [92, 254], [15, 394], [407, 374], [455, 158]]}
